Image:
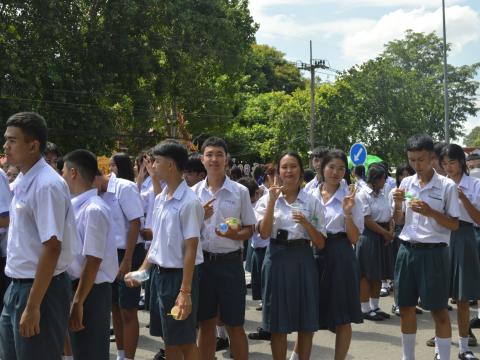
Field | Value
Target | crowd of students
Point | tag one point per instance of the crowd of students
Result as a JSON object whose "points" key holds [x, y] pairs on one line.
{"points": [[321, 253]]}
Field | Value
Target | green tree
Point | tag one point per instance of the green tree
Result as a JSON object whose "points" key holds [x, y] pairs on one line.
{"points": [[473, 138]]}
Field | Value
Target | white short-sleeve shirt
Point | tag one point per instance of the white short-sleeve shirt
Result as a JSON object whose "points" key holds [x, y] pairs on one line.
{"points": [[94, 225], [334, 217], [440, 194], [256, 240], [40, 209], [377, 206], [311, 208], [5, 200], [232, 200], [175, 220], [123, 199], [471, 188]]}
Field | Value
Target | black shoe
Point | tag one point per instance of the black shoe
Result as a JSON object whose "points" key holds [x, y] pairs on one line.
{"points": [[381, 313], [436, 357], [373, 316], [259, 308], [475, 323], [467, 355], [160, 355], [260, 335], [450, 308], [395, 310], [472, 340], [431, 342], [473, 302], [384, 292], [249, 286], [418, 311], [453, 301], [222, 344]]}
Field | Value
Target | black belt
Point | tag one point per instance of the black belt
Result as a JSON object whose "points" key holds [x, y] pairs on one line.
{"points": [[420, 245], [167, 270], [30, 281], [462, 223], [296, 242], [336, 235], [234, 255], [260, 249]]}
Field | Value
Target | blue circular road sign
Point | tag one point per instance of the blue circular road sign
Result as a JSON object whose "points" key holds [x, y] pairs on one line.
{"points": [[358, 154]]}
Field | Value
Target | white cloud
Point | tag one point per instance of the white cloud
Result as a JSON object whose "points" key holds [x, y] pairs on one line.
{"points": [[463, 27]]}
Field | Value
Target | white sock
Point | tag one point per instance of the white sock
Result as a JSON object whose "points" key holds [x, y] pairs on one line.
{"points": [[221, 332], [444, 345], [128, 359], [374, 303], [463, 343], [365, 307], [384, 284], [294, 356], [408, 345], [68, 357], [120, 354]]}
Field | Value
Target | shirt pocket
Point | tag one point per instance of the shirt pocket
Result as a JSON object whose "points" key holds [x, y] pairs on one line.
{"points": [[436, 202]]}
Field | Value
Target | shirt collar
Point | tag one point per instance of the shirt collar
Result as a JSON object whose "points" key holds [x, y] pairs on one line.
{"points": [[464, 182], [228, 185], [434, 182], [80, 199], [112, 183], [179, 191], [301, 197], [24, 181]]}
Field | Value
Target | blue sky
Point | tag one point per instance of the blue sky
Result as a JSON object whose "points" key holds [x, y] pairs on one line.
{"points": [[348, 32]]}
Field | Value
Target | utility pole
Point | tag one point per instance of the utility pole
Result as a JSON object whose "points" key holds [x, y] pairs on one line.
{"points": [[314, 64], [445, 75]]}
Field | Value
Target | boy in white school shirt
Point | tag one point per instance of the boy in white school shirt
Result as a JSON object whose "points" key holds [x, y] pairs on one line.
{"points": [[422, 266], [94, 270], [123, 198], [42, 242], [222, 276], [175, 252]]}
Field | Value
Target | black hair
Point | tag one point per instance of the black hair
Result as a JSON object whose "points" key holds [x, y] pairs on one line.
{"points": [[250, 184], [454, 152], [386, 167], [293, 154], [376, 172], [359, 171], [438, 147], [258, 172], [400, 170], [308, 175], [52, 148], [60, 162], [216, 142], [33, 126], [473, 156], [235, 173], [319, 152], [124, 166], [173, 150], [332, 155], [84, 162], [420, 142], [194, 164]]}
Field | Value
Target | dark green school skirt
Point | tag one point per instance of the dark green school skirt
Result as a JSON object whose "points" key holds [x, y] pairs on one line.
{"points": [[464, 264], [374, 257], [289, 289]]}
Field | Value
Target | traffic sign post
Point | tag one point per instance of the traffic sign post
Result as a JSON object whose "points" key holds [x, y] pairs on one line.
{"points": [[358, 154]]}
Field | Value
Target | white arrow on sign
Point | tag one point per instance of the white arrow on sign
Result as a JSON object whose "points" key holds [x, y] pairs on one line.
{"points": [[358, 154]]}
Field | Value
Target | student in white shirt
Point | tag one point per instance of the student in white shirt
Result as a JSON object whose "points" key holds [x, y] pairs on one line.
{"points": [[42, 242], [372, 248], [175, 252], [94, 270], [123, 198], [316, 160], [464, 259], [222, 276], [294, 221], [429, 215], [5, 200]]}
